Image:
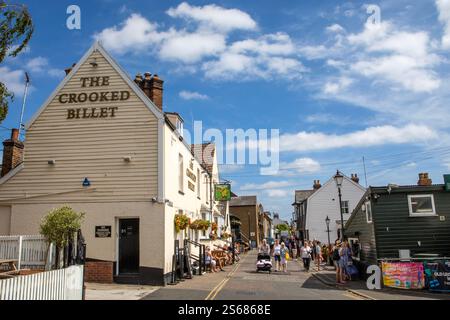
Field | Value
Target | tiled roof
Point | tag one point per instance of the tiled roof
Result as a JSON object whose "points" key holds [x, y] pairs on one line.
{"points": [[205, 153], [301, 195], [243, 201]]}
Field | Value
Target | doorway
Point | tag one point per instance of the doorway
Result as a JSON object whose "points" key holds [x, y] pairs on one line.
{"points": [[128, 246]]}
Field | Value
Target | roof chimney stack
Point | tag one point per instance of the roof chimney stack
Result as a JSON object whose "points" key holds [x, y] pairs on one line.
{"points": [[152, 87], [317, 185], [355, 178], [424, 180], [12, 152]]}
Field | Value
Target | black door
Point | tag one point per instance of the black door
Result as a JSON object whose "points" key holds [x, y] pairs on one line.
{"points": [[128, 246]]}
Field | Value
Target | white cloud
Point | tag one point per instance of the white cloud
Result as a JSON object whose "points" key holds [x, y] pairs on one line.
{"points": [[205, 46], [213, 16], [266, 185], [335, 28], [372, 136], [443, 7], [279, 193], [301, 165], [135, 34], [337, 85], [192, 95], [191, 47], [266, 57], [37, 64], [13, 79]]}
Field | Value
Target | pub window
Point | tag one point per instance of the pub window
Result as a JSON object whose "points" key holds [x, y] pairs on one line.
{"points": [[180, 173], [345, 208], [421, 205]]}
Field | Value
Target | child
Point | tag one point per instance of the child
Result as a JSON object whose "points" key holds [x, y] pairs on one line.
{"points": [[283, 254]]}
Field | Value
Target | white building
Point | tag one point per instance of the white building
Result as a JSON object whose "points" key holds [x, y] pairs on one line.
{"points": [[103, 145], [324, 202]]}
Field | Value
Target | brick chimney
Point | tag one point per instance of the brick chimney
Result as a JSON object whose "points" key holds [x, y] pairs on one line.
{"points": [[12, 152], [424, 180], [152, 87], [317, 185], [355, 178]]}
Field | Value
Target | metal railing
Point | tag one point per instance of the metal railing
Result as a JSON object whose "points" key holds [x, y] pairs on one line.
{"points": [[201, 257]]}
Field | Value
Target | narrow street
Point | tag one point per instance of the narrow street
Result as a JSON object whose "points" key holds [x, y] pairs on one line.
{"points": [[242, 282]]}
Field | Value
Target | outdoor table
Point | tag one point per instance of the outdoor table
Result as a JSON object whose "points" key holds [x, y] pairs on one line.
{"points": [[11, 263]]}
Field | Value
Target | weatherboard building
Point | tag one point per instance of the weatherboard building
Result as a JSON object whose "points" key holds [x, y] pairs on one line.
{"points": [[103, 145]]}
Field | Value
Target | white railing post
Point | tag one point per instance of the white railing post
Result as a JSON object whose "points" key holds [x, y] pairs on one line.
{"points": [[19, 259]]}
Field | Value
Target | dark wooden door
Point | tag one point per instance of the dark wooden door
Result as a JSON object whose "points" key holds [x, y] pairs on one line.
{"points": [[128, 246]]}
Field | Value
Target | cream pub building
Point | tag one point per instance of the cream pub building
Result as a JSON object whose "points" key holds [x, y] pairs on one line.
{"points": [[103, 145]]}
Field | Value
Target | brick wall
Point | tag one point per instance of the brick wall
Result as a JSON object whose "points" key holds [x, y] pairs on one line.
{"points": [[98, 271]]}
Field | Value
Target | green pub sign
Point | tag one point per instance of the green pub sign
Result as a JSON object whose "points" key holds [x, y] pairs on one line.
{"points": [[222, 192]]}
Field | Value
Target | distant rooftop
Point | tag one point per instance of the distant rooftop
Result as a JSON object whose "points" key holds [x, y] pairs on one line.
{"points": [[243, 201]]}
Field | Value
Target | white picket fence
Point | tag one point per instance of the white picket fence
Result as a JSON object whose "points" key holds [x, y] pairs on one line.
{"points": [[30, 251], [62, 284]]}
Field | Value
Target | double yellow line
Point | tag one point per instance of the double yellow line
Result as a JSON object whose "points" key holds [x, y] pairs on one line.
{"points": [[222, 283]]}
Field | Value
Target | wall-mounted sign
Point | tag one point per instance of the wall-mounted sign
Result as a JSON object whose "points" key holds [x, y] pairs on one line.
{"points": [[437, 274], [222, 192], [92, 98], [191, 175], [103, 231], [404, 275]]}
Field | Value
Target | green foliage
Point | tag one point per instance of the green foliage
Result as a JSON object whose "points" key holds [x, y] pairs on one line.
{"points": [[282, 227], [16, 29], [59, 225]]}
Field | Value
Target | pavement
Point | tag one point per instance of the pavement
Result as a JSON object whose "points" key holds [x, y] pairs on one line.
{"points": [[114, 291], [327, 276]]}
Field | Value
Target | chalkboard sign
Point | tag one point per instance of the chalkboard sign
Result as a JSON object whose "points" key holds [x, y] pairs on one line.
{"points": [[103, 231]]}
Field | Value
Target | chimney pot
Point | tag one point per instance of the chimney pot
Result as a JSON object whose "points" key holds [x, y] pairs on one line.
{"points": [[355, 178], [424, 180], [317, 185]]}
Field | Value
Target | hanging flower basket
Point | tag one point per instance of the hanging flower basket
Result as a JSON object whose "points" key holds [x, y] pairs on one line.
{"points": [[181, 222], [225, 235], [213, 236], [214, 226], [200, 224]]}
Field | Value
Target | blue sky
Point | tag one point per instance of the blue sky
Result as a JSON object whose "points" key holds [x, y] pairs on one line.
{"points": [[337, 87]]}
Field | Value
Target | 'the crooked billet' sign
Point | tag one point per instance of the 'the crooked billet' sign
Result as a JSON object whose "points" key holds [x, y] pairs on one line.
{"points": [[93, 97]]}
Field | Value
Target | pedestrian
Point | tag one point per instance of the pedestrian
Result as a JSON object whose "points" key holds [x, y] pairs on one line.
{"points": [[209, 260], [345, 256], [305, 252], [277, 254], [319, 258], [336, 255], [284, 251], [294, 250], [264, 248]]}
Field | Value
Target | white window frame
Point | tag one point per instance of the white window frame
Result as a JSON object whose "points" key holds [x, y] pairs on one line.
{"points": [[348, 206], [369, 205], [430, 214], [199, 183]]}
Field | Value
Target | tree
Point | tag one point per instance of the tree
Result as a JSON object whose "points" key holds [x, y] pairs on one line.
{"points": [[16, 29], [60, 225], [282, 227]]}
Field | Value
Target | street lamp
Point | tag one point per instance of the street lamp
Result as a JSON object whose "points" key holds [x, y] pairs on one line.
{"points": [[339, 178], [327, 221]]}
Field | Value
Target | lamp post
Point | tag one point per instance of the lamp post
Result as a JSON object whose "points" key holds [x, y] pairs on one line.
{"points": [[339, 178], [327, 221]]}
